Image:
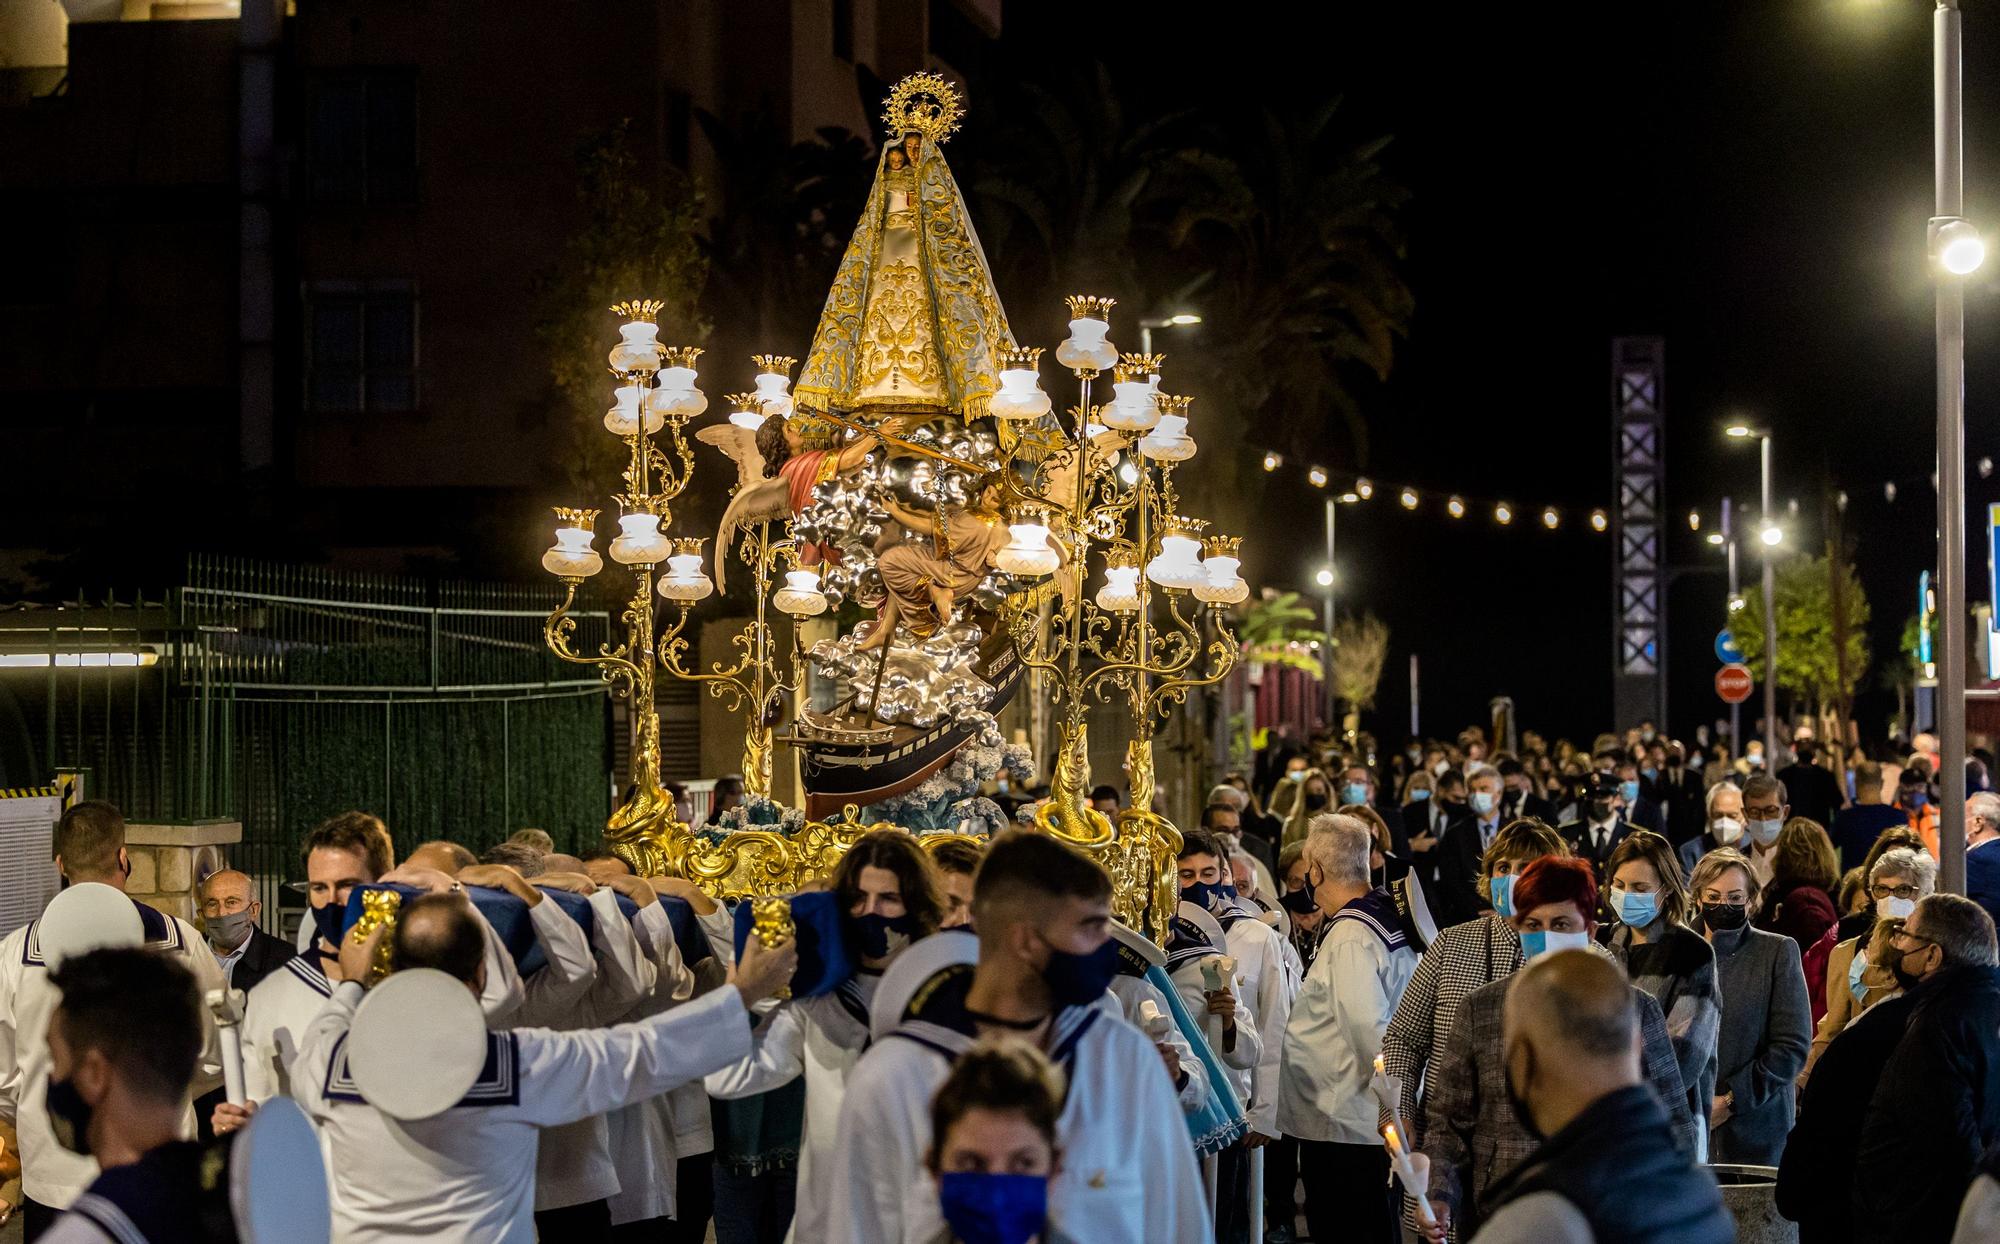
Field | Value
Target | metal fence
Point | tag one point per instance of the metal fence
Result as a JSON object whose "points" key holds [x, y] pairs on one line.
{"points": [[278, 695]]}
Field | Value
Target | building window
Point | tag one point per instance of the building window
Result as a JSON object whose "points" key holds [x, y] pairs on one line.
{"points": [[677, 128], [362, 136], [843, 29], [361, 347]]}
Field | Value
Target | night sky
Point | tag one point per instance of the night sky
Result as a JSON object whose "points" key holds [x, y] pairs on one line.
{"points": [[1750, 181]]}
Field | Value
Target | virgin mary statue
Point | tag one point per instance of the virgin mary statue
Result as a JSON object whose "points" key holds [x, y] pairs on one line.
{"points": [[912, 324]]}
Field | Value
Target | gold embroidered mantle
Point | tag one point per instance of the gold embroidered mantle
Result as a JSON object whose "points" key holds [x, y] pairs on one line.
{"points": [[912, 322]]}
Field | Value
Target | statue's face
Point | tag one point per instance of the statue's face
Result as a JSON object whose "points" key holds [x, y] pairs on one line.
{"points": [[896, 158], [793, 441], [912, 143]]}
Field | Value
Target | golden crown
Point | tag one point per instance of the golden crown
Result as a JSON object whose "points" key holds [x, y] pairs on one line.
{"points": [[742, 401], [1174, 404], [1021, 358], [1222, 546], [923, 103], [680, 356], [1138, 366], [585, 519], [774, 362], [641, 310], [1090, 306]]}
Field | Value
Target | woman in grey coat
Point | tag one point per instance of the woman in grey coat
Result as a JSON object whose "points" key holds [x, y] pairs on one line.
{"points": [[1766, 1016]]}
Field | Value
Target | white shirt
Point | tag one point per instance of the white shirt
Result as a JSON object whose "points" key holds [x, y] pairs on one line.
{"points": [[642, 1134], [228, 961], [1129, 992], [467, 1174], [1128, 1174], [276, 1015], [1267, 993], [50, 1173], [821, 1038], [573, 1164], [1248, 1050], [1335, 1033]]}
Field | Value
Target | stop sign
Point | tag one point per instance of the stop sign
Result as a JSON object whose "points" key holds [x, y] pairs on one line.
{"points": [[1734, 684]]}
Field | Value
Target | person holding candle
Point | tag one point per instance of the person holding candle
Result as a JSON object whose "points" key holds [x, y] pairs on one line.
{"points": [[1334, 1036]]}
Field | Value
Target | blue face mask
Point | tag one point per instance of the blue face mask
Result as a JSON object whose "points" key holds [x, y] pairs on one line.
{"points": [[1918, 799], [1854, 971], [1354, 793], [872, 933], [326, 921], [1420, 794], [1649, 774], [1079, 980], [983, 1208], [1483, 802], [1541, 941], [1207, 895], [1502, 890], [1635, 911], [1630, 792]]}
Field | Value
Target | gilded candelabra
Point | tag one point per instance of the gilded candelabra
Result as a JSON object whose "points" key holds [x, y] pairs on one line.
{"points": [[652, 480], [1109, 481]]}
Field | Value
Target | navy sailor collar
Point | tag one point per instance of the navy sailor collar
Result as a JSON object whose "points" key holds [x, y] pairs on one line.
{"points": [[938, 1019], [499, 1082], [1376, 912], [161, 933]]}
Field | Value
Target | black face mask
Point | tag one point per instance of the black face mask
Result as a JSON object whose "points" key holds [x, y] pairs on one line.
{"points": [[1725, 917], [1300, 902], [1893, 960], [326, 922], [1315, 800], [69, 1116]]}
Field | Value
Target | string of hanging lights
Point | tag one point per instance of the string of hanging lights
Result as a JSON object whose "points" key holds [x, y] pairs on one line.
{"points": [[1456, 505]]}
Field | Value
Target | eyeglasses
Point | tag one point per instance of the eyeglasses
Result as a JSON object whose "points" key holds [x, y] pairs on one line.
{"points": [[1887, 891]]}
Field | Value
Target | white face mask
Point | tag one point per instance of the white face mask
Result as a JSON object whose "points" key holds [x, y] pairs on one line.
{"points": [[1439, 769], [1896, 908], [1727, 829]]}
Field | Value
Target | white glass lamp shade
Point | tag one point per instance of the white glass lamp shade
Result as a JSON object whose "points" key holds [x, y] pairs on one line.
{"points": [[748, 417], [1134, 409], [1020, 395], [675, 395], [800, 597], [1029, 552], [632, 409], [571, 556], [1168, 441], [638, 350], [686, 581], [1223, 585], [640, 541], [774, 393], [1086, 347], [1178, 563], [1120, 593]]}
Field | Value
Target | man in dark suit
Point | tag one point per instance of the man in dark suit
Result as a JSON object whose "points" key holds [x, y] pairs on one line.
{"points": [[1815, 793], [1424, 823], [1463, 845], [1357, 788], [230, 911], [1603, 827], [1518, 798], [1982, 852], [1634, 804], [1678, 790]]}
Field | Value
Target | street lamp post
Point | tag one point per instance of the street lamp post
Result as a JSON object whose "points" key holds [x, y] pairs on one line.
{"points": [[1770, 535], [1181, 319], [1735, 593], [1326, 646], [1956, 251]]}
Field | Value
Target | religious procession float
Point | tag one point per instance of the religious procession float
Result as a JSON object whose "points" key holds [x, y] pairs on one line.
{"points": [[918, 470]]}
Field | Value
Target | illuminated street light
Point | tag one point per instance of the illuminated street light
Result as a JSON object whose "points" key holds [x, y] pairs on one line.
{"points": [[1740, 431], [1772, 535], [1715, 538], [1694, 520], [1348, 498], [1324, 578], [1959, 248], [1183, 319], [1364, 488], [1735, 604], [1599, 521]]}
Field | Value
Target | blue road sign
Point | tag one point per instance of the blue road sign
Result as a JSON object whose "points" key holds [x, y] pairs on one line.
{"points": [[1726, 650]]}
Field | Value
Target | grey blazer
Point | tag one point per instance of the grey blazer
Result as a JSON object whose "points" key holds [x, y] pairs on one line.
{"points": [[1766, 1034], [1474, 1137]]}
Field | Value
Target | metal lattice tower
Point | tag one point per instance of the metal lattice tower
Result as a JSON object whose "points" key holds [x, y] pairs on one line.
{"points": [[1638, 373]]}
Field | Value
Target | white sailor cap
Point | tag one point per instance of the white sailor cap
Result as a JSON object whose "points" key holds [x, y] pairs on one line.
{"points": [[88, 916], [417, 1044], [277, 1179], [925, 959]]}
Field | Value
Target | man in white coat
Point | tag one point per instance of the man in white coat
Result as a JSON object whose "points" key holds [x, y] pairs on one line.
{"points": [[89, 846], [1044, 958], [466, 1174], [1268, 986], [1357, 978]]}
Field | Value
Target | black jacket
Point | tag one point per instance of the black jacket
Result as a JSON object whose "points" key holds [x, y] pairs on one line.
{"points": [[1819, 1154], [1456, 898], [1812, 792], [1620, 1145], [1934, 1111], [265, 955], [1577, 835]]}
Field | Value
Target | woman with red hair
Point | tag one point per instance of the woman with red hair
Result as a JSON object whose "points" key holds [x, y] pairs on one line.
{"points": [[1474, 1135]]}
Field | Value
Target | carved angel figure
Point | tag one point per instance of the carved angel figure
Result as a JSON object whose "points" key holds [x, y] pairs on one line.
{"points": [[775, 477]]}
